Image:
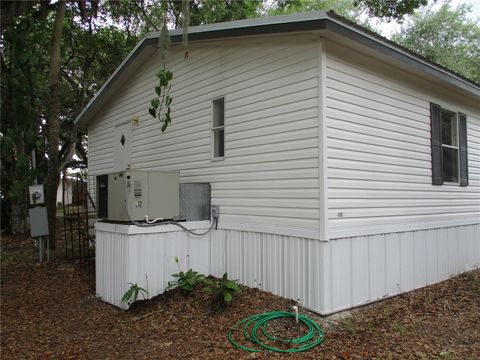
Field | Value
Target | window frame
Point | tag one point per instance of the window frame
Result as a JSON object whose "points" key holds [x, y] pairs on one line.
{"points": [[442, 110], [216, 129], [437, 146]]}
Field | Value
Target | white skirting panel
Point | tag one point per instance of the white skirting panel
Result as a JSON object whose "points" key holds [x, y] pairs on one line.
{"points": [[323, 276], [111, 266], [368, 268], [284, 265]]}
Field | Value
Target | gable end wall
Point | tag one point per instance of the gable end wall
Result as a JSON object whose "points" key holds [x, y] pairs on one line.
{"points": [[269, 178]]}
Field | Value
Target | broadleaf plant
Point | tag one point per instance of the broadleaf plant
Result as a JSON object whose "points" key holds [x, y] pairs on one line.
{"points": [[160, 105], [131, 295], [223, 290], [186, 281]]}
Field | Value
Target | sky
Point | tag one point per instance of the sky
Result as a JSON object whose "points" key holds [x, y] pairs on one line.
{"points": [[388, 29]]}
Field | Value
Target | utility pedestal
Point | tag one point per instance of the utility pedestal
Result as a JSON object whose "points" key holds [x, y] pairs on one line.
{"points": [[39, 221]]}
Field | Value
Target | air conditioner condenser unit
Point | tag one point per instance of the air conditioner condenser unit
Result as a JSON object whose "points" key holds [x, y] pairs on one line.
{"points": [[132, 195]]}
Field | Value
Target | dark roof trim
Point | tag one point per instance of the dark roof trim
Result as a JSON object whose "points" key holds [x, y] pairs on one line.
{"points": [[374, 41], [316, 20], [264, 25]]}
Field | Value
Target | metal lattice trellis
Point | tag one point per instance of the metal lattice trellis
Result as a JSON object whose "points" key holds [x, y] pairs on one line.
{"points": [[79, 219]]}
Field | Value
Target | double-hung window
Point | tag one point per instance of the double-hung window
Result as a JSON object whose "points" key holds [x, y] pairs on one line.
{"points": [[218, 129], [449, 146]]}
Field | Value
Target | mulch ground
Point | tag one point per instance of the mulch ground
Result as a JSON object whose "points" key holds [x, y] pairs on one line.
{"points": [[49, 311]]}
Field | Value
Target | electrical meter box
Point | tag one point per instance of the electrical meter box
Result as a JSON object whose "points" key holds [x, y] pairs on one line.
{"points": [[132, 195], [36, 195]]}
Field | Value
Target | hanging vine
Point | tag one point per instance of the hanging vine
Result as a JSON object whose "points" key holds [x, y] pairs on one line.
{"points": [[160, 104]]}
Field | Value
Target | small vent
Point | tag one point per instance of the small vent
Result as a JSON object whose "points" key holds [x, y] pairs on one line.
{"points": [[123, 140], [137, 188]]}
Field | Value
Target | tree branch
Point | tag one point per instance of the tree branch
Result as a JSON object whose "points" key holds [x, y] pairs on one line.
{"points": [[147, 18]]}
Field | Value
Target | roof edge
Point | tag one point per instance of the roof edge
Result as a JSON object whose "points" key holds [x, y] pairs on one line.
{"points": [[147, 40], [345, 27], [315, 20]]}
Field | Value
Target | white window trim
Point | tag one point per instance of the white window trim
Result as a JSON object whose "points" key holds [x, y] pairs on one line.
{"points": [[214, 129]]}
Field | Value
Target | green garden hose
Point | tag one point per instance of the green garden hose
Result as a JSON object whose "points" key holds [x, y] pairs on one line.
{"points": [[312, 338]]}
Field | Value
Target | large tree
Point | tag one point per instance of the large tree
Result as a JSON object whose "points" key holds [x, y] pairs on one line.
{"points": [[53, 119], [341, 7], [390, 9], [352, 9], [446, 36], [54, 57], [24, 35]]}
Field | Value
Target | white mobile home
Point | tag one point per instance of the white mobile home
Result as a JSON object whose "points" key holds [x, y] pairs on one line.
{"points": [[346, 169]]}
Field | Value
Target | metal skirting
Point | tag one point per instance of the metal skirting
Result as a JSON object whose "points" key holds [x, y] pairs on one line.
{"points": [[323, 276], [364, 269]]}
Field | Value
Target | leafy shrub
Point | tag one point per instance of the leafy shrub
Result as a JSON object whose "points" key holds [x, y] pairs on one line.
{"points": [[223, 290], [186, 281], [131, 295]]}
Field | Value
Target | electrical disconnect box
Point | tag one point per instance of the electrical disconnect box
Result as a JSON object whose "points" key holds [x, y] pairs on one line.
{"points": [[132, 195]]}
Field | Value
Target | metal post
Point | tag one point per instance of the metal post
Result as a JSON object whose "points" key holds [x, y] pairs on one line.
{"points": [[34, 165], [40, 249], [48, 248]]}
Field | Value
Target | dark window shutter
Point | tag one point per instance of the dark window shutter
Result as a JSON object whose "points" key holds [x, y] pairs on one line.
{"points": [[462, 142], [436, 136]]}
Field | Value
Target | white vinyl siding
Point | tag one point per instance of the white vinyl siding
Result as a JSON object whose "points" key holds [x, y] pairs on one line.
{"points": [[270, 173], [379, 153]]}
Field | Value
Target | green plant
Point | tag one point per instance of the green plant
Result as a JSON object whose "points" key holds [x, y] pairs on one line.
{"points": [[447, 355], [349, 324], [160, 105], [131, 295], [222, 289], [186, 281], [400, 328]]}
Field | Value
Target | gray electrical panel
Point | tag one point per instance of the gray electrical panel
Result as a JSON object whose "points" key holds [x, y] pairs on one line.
{"points": [[132, 195], [38, 221]]}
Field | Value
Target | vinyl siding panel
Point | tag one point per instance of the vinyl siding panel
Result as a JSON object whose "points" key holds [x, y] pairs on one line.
{"points": [[270, 172], [379, 154]]}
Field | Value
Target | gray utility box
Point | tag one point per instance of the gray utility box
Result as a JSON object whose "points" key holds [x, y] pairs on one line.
{"points": [[195, 201], [38, 221], [152, 194]]}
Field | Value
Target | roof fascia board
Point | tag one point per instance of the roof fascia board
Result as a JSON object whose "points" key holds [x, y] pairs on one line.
{"points": [[260, 26], [317, 20], [396, 52], [266, 25]]}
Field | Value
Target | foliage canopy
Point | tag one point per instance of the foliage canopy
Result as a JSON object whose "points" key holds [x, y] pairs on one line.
{"points": [[446, 36]]}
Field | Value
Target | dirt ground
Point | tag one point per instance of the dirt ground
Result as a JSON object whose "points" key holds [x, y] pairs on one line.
{"points": [[49, 311]]}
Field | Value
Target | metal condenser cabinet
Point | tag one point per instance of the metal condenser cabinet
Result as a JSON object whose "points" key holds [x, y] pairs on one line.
{"points": [[152, 194]]}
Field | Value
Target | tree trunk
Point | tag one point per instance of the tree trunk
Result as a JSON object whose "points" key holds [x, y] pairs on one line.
{"points": [[53, 122], [18, 218]]}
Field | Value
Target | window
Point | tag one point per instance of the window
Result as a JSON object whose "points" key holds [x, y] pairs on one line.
{"points": [[218, 128], [449, 146]]}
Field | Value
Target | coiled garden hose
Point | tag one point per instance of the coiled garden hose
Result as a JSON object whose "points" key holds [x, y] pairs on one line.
{"points": [[312, 338]]}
